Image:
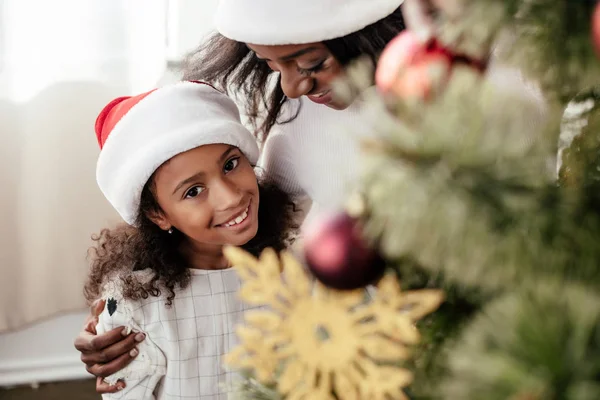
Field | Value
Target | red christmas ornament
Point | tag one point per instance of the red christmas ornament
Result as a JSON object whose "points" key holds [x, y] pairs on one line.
{"points": [[338, 256], [410, 68], [596, 29]]}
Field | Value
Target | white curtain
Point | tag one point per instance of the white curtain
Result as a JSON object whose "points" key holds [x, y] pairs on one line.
{"points": [[61, 61]]}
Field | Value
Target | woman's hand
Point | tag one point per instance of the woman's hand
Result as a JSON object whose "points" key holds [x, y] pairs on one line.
{"points": [[105, 354]]}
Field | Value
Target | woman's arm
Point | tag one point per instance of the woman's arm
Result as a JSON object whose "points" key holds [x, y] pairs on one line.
{"points": [[106, 354], [277, 163]]}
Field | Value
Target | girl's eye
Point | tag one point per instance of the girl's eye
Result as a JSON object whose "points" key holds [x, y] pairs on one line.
{"points": [[312, 70], [193, 192], [231, 164]]}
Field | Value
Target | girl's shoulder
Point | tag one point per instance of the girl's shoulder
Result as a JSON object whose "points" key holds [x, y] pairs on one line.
{"points": [[118, 284], [121, 309]]}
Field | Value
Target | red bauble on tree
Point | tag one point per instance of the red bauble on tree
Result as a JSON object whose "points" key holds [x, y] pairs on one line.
{"points": [[413, 67], [596, 28], [410, 68], [338, 255]]}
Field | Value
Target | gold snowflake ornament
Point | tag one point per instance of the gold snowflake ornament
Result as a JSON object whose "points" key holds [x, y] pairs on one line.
{"points": [[315, 342]]}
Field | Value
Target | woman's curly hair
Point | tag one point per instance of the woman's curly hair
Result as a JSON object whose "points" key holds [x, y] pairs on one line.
{"points": [[120, 251]]}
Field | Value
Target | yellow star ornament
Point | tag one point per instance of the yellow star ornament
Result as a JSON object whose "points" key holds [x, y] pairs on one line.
{"points": [[315, 342]]}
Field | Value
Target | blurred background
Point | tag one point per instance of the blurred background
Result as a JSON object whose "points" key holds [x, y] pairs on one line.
{"points": [[61, 61]]}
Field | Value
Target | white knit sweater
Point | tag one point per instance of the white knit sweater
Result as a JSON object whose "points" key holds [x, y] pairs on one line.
{"points": [[317, 155]]}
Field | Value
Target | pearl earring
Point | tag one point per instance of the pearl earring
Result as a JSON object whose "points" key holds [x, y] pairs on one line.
{"points": [[170, 231]]}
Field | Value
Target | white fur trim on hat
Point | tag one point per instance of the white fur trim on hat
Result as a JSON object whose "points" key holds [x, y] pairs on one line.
{"points": [[171, 120], [279, 22]]}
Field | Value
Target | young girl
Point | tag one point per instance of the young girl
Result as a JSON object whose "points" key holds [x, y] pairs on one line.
{"points": [[177, 165]]}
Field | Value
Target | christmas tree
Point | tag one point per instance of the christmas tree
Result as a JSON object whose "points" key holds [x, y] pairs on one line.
{"points": [[486, 261]]}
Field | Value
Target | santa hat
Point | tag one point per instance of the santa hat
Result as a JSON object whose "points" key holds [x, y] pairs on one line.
{"points": [[138, 134], [278, 22]]}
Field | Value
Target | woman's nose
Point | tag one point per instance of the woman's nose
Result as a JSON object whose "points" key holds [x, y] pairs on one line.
{"points": [[294, 84]]}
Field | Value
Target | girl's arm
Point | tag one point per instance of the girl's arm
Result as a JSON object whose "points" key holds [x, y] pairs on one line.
{"points": [[144, 373], [105, 354]]}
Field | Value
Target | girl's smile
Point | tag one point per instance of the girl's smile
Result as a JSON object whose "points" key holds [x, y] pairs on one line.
{"points": [[238, 221]]}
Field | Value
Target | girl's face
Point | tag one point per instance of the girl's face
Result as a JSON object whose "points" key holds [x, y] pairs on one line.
{"points": [[210, 194], [305, 69]]}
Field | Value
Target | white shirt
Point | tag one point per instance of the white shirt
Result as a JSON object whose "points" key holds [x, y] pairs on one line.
{"points": [[317, 155], [181, 357]]}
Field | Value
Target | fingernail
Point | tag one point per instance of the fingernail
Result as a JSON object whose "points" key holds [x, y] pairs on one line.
{"points": [[139, 337], [133, 352], [120, 386], [124, 332]]}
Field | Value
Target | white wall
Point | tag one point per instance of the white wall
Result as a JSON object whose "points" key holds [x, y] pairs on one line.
{"points": [[189, 21]]}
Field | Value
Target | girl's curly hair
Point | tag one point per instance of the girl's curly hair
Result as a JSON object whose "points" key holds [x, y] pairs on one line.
{"points": [[125, 249]]}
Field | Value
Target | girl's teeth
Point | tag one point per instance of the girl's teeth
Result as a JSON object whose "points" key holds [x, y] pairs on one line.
{"points": [[238, 219]]}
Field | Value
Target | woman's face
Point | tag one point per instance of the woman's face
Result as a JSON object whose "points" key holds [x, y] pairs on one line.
{"points": [[305, 69], [210, 194]]}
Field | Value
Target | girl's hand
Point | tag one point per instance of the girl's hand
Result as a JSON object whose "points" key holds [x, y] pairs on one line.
{"points": [[105, 354]]}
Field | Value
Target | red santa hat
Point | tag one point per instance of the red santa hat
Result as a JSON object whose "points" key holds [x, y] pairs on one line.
{"points": [[138, 134], [279, 22]]}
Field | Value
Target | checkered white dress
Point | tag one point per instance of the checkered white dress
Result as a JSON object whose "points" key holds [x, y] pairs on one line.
{"points": [[181, 357]]}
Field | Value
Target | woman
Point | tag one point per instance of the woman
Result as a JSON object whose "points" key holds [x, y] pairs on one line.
{"points": [[281, 57], [282, 63]]}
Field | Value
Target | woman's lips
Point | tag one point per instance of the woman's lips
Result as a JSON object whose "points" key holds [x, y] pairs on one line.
{"points": [[321, 98]]}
